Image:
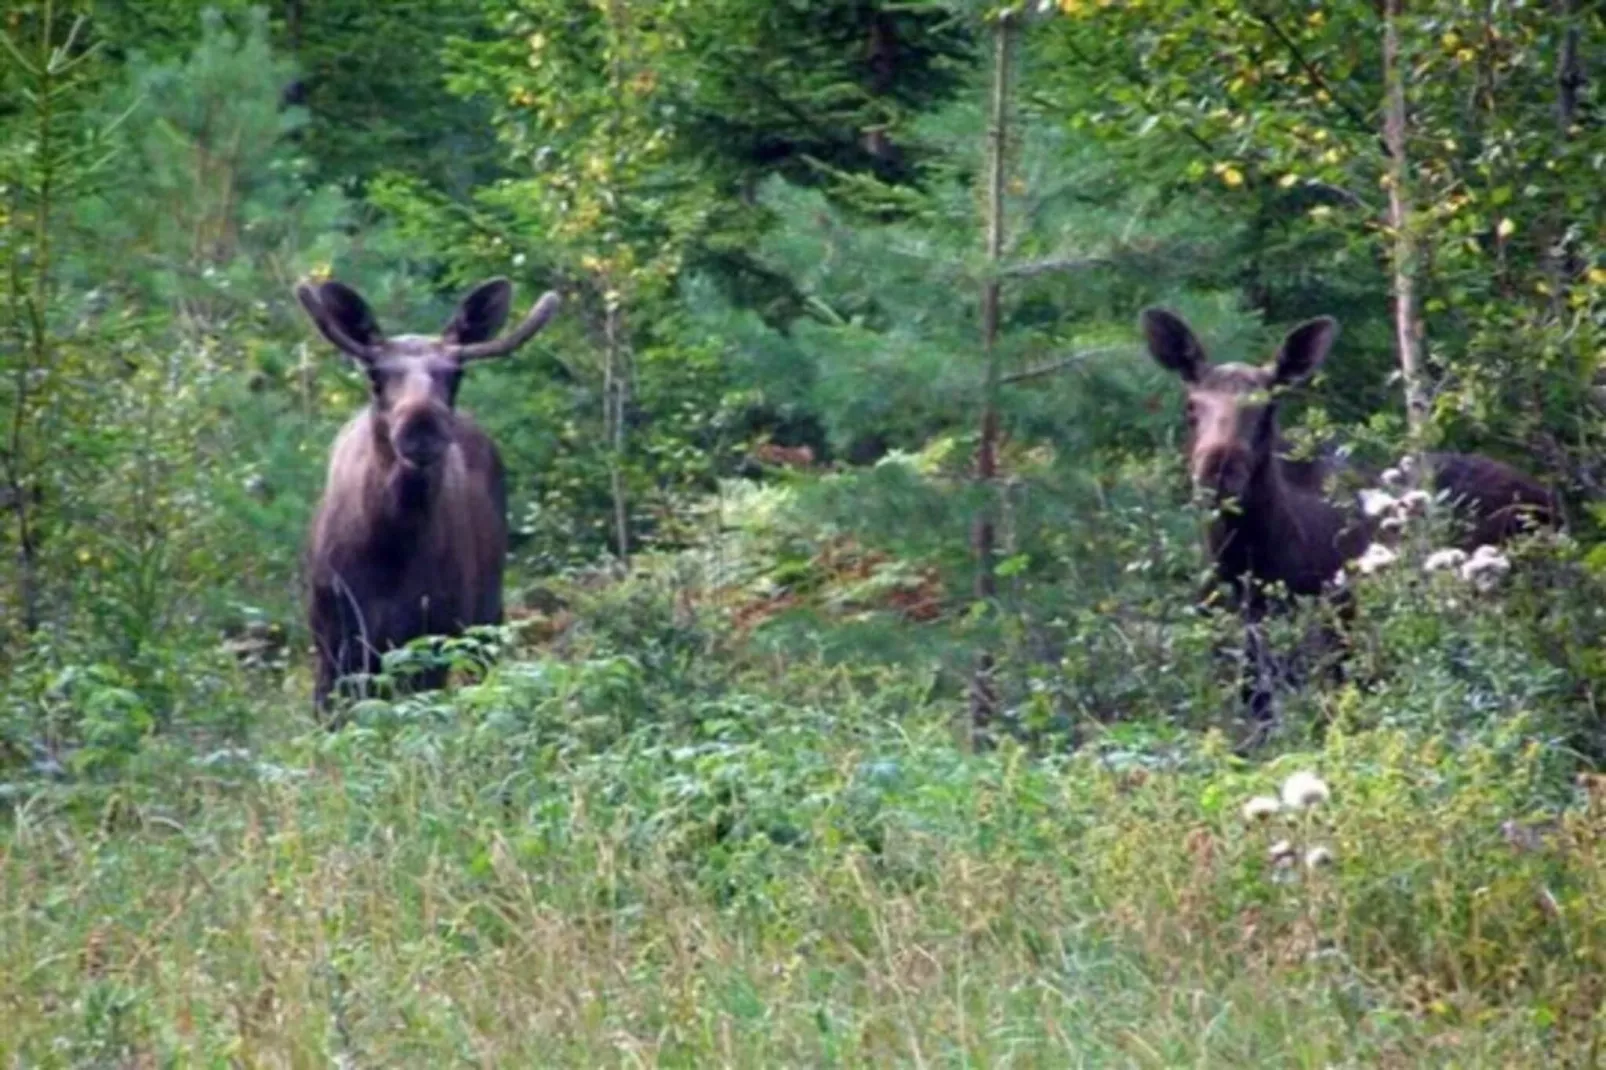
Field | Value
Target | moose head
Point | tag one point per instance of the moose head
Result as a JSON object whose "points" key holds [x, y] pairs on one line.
{"points": [[414, 378], [1231, 409]]}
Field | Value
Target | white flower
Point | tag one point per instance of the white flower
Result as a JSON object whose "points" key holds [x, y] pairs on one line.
{"points": [[1340, 579], [1260, 808], [1303, 789], [1318, 856], [1392, 477], [1281, 851], [1415, 502], [1440, 560], [1485, 567], [1376, 556], [1376, 502]]}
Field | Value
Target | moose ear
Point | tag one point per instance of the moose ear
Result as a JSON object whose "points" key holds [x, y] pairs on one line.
{"points": [[1304, 350], [481, 314], [343, 317], [1173, 344]]}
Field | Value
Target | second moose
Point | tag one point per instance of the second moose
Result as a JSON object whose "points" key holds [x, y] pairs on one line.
{"points": [[1274, 525]]}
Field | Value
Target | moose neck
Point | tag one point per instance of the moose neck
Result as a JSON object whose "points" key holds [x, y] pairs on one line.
{"points": [[1241, 537], [409, 492]]}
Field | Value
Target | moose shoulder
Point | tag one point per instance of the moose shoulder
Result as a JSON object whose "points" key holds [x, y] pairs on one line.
{"points": [[410, 537]]}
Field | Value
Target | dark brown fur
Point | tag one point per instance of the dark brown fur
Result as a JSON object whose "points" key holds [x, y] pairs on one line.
{"points": [[410, 536], [1492, 501]]}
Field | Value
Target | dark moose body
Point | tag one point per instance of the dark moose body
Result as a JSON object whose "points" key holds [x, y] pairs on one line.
{"points": [[410, 537]]}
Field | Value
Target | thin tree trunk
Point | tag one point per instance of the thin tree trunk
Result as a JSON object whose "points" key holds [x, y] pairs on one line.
{"points": [[614, 409], [983, 688], [614, 373], [30, 298], [1407, 319], [1570, 78]]}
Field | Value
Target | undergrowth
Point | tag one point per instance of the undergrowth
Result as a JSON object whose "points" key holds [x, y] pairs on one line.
{"points": [[651, 835]]}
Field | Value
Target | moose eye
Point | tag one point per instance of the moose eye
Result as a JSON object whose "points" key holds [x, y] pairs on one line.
{"points": [[447, 378]]}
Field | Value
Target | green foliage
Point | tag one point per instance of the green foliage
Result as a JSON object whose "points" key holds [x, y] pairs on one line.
{"points": [[717, 807], [1279, 113]]}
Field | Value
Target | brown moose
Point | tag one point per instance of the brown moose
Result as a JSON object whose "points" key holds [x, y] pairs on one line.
{"points": [[1274, 525], [410, 536]]}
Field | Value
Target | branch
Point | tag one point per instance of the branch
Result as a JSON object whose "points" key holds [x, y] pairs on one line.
{"points": [[1044, 267], [1058, 365], [1310, 69], [1139, 79]]}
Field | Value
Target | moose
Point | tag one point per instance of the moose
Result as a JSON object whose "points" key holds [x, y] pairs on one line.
{"points": [[1275, 526], [410, 537]]}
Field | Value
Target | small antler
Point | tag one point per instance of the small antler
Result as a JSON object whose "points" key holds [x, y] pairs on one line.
{"points": [[307, 294], [501, 347]]}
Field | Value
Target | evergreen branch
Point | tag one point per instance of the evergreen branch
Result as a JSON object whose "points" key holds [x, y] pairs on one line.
{"points": [[1044, 267], [1136, 77], [1058, 365]]}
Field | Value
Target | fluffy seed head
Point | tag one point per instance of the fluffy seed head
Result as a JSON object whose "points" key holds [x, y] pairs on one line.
{"points": [[1442, 560], [1303, 789], [1261, 807], [1376, 556]]}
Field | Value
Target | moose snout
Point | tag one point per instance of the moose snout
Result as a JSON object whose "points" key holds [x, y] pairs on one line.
{"points": [[1223, 473], [421, 439]]}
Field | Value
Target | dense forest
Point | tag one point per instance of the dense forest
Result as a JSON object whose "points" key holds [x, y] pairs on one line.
{"points": [[865, 687]]}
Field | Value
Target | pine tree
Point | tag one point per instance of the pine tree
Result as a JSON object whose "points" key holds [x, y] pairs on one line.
{"points": [[891, 351]]}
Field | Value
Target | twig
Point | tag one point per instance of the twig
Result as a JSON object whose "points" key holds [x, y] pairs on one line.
{"points": [[1045, 267], [1310, 69], [1057, 366]]}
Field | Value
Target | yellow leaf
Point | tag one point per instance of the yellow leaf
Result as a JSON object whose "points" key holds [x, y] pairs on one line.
{"points": [[1597, 276], [1506, 228], [1288, 180], [1230, 175]]}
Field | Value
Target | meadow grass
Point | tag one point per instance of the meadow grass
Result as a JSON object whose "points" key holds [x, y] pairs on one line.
{"points": [[826, 878]]}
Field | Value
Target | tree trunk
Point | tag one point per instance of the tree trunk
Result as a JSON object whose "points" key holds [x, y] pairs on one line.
{"points": [[614, 400], [1407, 318], [1565, 263], [983, 688]]}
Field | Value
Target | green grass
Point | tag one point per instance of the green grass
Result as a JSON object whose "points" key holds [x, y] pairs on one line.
{"points": [[661, 841], [811, 874]]}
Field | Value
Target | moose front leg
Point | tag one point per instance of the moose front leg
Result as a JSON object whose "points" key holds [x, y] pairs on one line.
{"points": [[343, 654]]}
